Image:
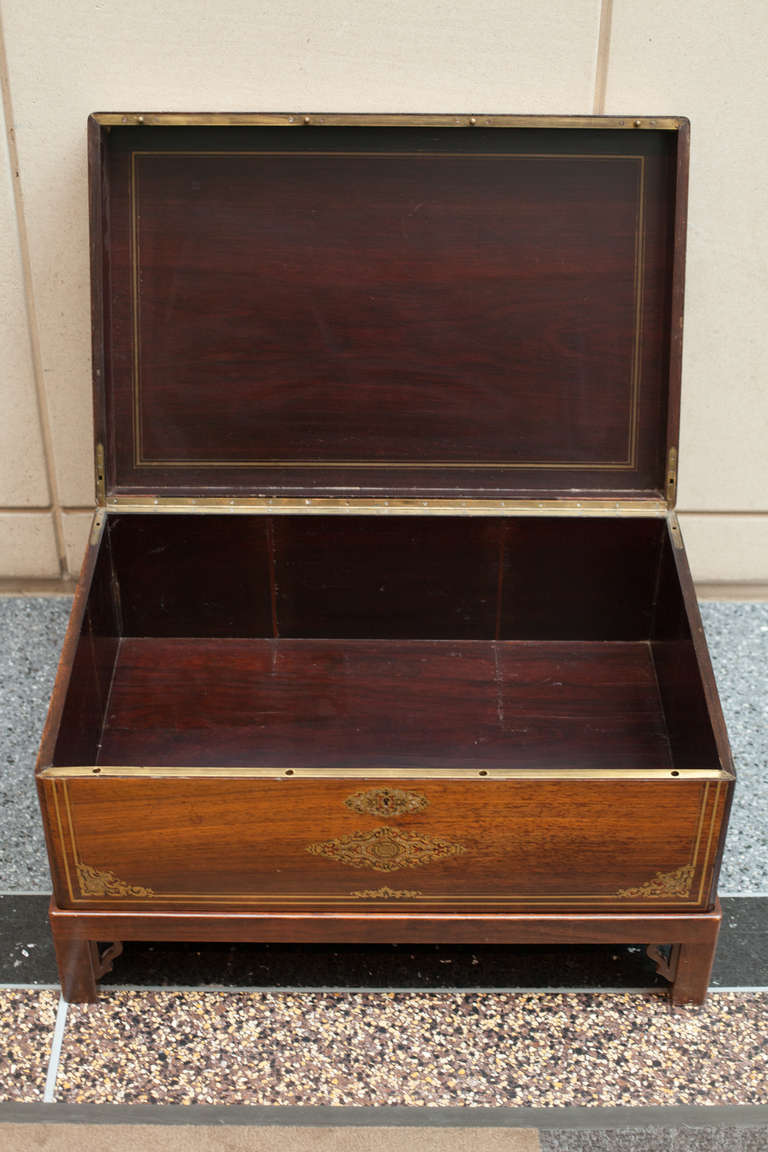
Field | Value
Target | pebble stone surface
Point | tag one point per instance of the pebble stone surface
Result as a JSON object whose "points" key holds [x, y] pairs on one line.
{"points": [[688, 1139], [448, 1049], [27, 1018], [31, 634], [32, 630], [737, 635]]}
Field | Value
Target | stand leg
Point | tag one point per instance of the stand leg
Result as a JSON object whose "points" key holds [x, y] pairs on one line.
{"points": [[694, 966], [78, 963]]}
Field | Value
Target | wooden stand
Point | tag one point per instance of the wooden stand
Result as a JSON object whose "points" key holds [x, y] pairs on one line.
{"points": [[694, 937]]}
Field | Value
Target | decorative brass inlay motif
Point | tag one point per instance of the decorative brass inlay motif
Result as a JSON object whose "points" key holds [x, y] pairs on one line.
{"points": [[94, 882], [386, 802], [677, 883], [384, 893], [386, 849]]}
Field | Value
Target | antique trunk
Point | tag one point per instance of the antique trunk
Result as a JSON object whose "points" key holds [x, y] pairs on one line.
{"points": [[385, 631]]}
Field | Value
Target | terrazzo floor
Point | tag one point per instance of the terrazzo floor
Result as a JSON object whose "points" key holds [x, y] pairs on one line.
{"points": [[297, 1034], [476, 1050], [27, 1019]]}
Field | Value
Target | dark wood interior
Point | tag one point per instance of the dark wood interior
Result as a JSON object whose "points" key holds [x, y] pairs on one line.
{"points": [[388, 310], [386, 642]]}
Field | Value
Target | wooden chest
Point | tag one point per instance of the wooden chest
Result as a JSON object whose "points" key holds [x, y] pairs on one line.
{"points": [[385, 631]]}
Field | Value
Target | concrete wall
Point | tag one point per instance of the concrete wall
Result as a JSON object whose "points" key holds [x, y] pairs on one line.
{"points": [[60, 61]]}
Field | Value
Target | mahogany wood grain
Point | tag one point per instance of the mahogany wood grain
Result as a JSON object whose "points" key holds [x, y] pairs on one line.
{"points": [[77, 963], [389, 577], [223, 841], [681, 165], [385, 704], [696, 931], [335, 305], [694, 964], [192, 575], [691, 707], [85, 701], [709, 717]]}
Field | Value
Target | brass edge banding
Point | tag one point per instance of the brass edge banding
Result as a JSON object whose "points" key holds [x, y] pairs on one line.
{"points": [[383, 506], [342, 119], [399, 774], [98, 523]]}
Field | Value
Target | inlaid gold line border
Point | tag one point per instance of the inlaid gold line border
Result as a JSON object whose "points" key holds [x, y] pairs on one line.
{"points": [[697, 843], [291, 898], [62, 841], [715, 806], [628, 464]]}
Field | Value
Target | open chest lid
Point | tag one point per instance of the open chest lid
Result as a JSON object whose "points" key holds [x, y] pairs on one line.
{"points": [[356, 310]]}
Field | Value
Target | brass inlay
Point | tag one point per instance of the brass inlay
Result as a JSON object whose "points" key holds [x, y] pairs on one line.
{"points": [[676, 884], [69, 851], [385, 893], [715, 806], [628, 463], [94, 882], [386, 802], [386, 849]]}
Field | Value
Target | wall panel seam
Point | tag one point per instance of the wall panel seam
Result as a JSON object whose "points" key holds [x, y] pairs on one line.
{"points": [[602, 57], [43, 410]]}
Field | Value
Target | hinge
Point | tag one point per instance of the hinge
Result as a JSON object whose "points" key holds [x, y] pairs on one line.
{"points": [[672, 476], [101, 488]]}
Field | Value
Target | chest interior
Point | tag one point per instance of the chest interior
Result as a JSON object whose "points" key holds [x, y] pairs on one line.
{"points": [[348, 642]]}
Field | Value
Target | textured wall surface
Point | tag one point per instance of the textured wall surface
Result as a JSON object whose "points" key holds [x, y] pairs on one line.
{"points": [[61, 61]]}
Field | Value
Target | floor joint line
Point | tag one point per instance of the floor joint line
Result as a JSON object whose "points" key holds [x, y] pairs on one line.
{"points": [[49, 1095]]}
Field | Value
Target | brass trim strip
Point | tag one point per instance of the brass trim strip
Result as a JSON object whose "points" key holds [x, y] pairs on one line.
{"points": [[100, 483], [344, 119], [394, 774], [331, 505], [675, 533], [96, 528], [628, 464]]}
